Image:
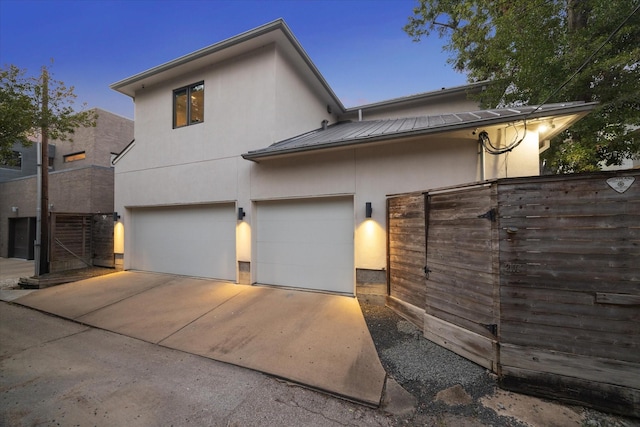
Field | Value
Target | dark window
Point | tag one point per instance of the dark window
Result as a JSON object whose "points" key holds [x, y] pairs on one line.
{"points": [[188, 105], [12, 161]]}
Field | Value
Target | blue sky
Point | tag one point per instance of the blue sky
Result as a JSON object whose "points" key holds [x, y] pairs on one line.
{"points": [[358, 45]]}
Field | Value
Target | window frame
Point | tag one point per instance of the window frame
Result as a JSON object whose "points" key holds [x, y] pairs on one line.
{"points": [[74, 157], [189, 113]]}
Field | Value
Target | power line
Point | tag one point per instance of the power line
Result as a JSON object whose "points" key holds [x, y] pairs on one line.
{"points": [[484, 136], [586, 62]]}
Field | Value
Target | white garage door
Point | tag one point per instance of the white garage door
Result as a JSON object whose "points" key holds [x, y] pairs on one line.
{"points": [[196, 240], [306, 244]]}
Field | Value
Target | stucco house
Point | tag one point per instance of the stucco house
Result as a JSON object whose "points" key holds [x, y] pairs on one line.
{"points": [[247, 167], [80, 180]]}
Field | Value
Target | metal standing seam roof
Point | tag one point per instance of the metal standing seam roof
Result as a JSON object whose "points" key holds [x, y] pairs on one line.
{"points": [[351, 133]]}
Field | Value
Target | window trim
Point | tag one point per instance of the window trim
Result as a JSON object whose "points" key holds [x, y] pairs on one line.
{"points": [[188, 89]]}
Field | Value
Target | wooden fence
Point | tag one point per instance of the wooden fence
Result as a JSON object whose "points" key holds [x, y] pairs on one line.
{"points": [[537, 279], [80, 240]]}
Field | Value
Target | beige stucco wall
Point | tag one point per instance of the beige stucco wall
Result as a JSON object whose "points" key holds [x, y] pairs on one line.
{"points": [[251, 102], [369, 174], [257, 99], [522, 161]]}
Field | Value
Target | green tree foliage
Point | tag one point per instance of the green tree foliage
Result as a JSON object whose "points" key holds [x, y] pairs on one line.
{"points": [[22, 115], [531, 48]]}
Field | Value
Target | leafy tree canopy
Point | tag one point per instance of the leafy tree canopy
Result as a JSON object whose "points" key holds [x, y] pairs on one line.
{"points": [[531, 48], [23, 112]]}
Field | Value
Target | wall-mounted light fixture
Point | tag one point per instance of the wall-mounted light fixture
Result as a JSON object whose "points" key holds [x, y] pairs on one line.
{"points": [[368, 210], [14, 209], [116, 217], [241, 214]]}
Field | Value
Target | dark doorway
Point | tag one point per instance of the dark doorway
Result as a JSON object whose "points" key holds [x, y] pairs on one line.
{"points": [[22, 232]]}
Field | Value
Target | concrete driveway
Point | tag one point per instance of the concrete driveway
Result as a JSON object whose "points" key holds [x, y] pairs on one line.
{"points": [[55, 372], [314, 339]]}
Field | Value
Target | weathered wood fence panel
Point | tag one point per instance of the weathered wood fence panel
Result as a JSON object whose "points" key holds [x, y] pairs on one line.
{"points": [[80, 240], [570, 286], [70, 241], [407, 255], [543, 288], [462, 284]]}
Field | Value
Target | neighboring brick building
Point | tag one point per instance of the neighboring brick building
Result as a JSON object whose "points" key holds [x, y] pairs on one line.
{"points": [[80, 180]]}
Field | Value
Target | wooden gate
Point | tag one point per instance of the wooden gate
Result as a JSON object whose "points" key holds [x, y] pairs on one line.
{"points": [[462, 286], [443, 268]]}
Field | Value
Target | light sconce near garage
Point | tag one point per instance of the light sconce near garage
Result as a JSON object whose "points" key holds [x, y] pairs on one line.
{"points": [[368, 210], [116, 217], [241, 214], [14, 209]]}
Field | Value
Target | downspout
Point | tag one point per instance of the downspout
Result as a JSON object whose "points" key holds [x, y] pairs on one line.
{"points": [[481, 155]]}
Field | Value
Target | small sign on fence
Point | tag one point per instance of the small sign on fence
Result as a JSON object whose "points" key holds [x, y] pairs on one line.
{"points": [[620, 183]]}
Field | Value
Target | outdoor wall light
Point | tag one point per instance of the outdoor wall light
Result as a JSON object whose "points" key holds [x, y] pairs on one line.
{"points": [[14, 209], [116, 217], [368, 210], [241, 214]]}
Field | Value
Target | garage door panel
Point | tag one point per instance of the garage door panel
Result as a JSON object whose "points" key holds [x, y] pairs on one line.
{"points": [[325, 254], [190, 240], [310, 277], [302, 229], [306, 243]]}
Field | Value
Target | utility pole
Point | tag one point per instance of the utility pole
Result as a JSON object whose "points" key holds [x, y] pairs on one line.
{"points": [[43, 261]]}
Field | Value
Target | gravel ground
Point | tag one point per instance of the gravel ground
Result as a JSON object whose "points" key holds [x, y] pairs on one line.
{"points": [[424, 369]]}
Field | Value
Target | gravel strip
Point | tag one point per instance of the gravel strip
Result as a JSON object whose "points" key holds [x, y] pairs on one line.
{"points": [[424, 369]]}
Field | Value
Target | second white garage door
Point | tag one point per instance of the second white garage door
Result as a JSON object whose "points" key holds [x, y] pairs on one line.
{"points": [[193, 240], [306, 244]]}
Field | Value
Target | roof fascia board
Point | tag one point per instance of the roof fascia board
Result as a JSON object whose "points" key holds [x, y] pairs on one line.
{"points": [[124, 86], [124, 151], [580, 110], [224, 44]]}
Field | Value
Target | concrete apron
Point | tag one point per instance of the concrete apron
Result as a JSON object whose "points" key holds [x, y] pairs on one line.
{"points": [[314, 339]]}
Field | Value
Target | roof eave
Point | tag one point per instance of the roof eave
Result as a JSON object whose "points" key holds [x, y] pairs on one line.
{"points": [[122, 85], [580, 110], [128, 86]]}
